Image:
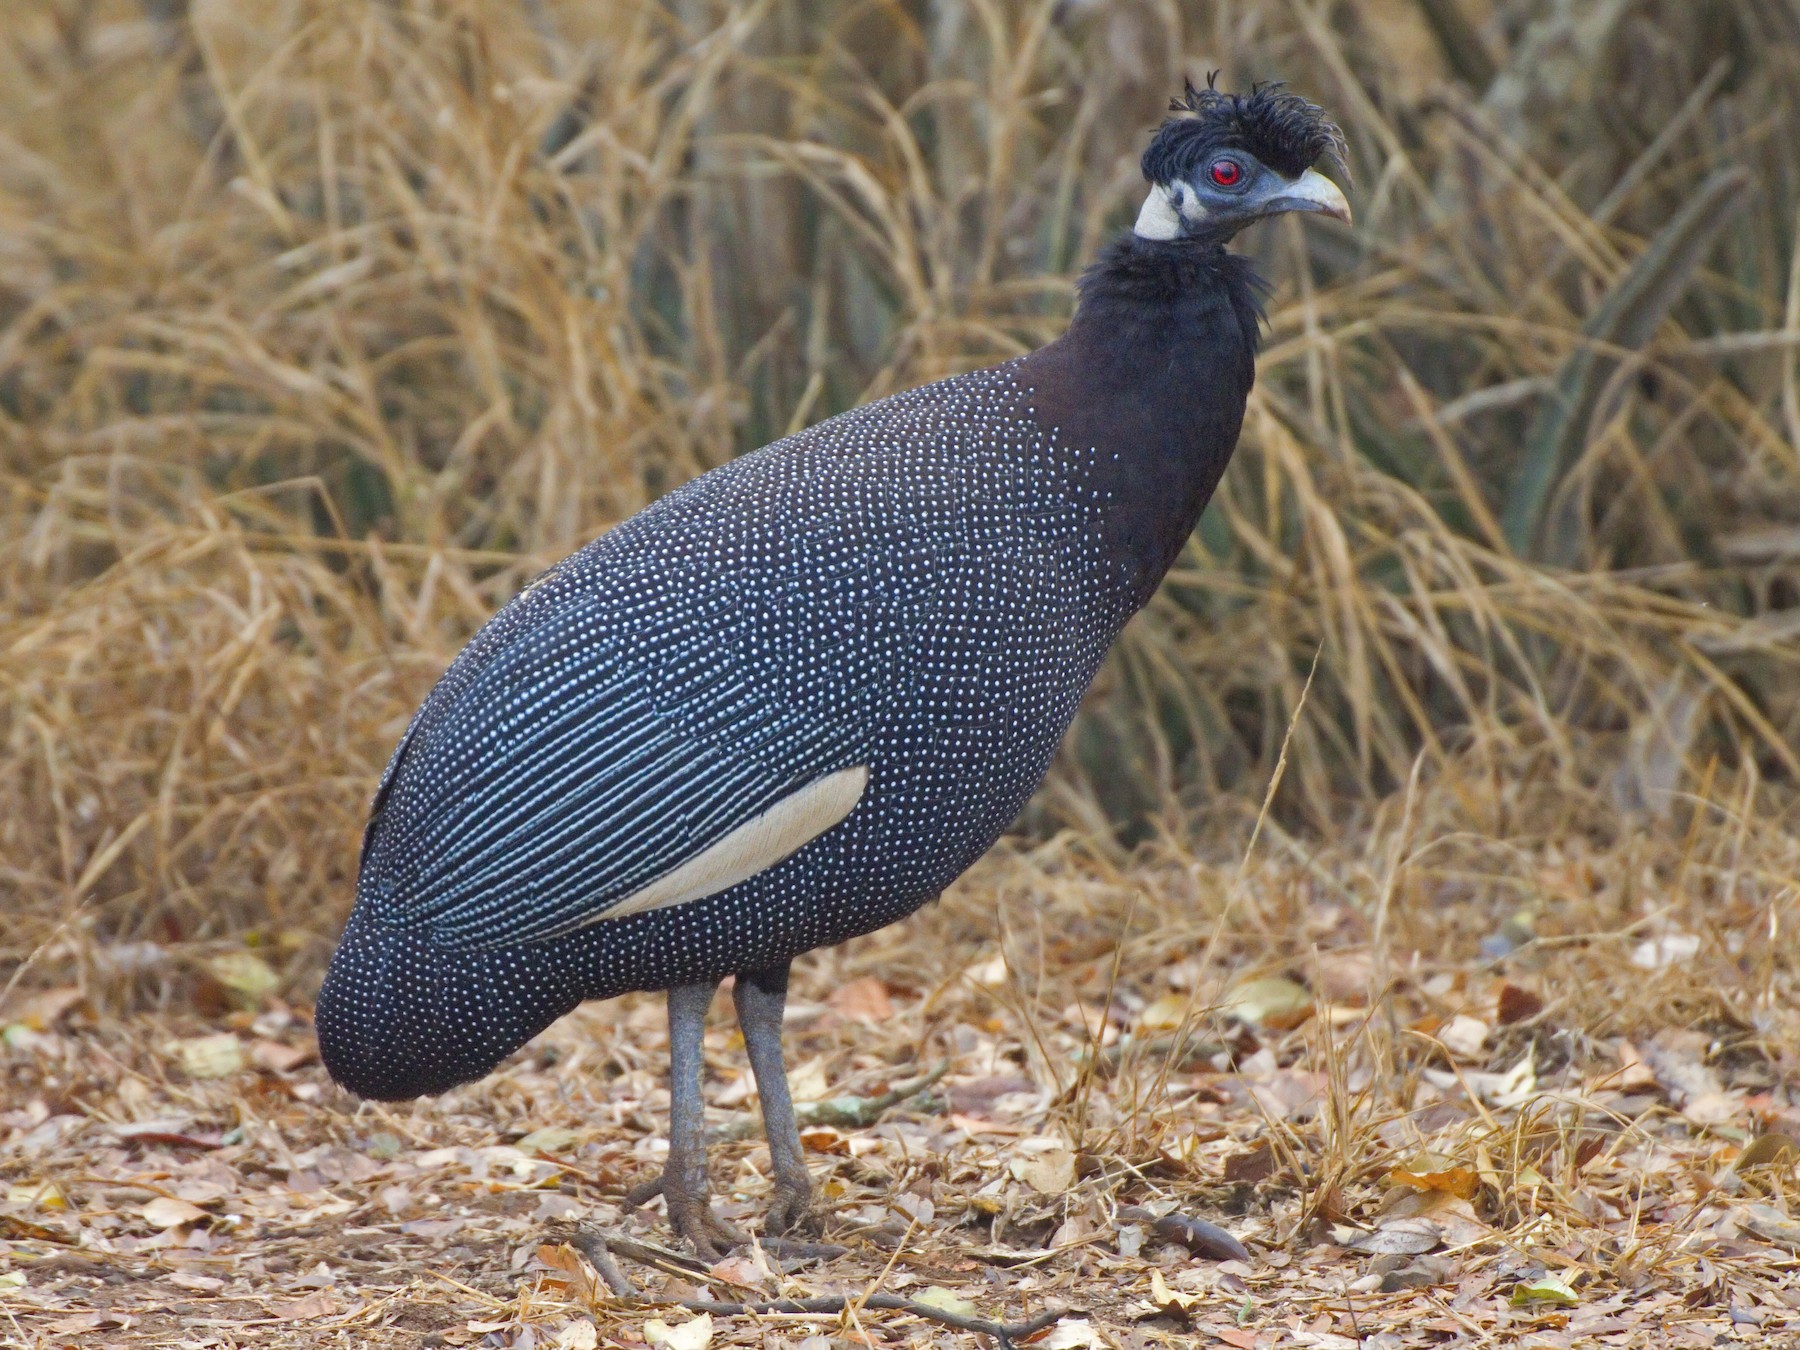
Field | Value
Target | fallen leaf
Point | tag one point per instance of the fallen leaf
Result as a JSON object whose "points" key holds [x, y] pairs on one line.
{"points": [[37, 1195], [742, 1271], [319, 1304], [808, 1082], [1768, 1151], [1165, 1013], [1076, 1334], [1464, 1036], [68, 1326], [433, 1228], [246, 974], [550, 1139], [824, 1139], [1434, 1172], [1418, 1274], [694, 1335], [1634, 1074], [279, 1057], [1169, 1301], [945, 1300], [915, 1208], [1345, 976], [580, 1335], [321, 1276], [1517, 1005], [864, 1000], [167, 1212], [1286, 1094], [1051, 1173], [1671, 949], [1684, 1075], [12, 1226], [43, 1010], [217, 1056], [1277, 1002], [1455, 1217], [1545, 1289], [1400, 1237], [1252, 1165], [1713, 1108], [1771, 1225]]}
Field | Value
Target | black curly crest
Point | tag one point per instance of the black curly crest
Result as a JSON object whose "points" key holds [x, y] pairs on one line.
{"points": [[1283, 130]]}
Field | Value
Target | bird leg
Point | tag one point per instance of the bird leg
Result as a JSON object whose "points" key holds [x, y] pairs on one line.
{"points": [[685, 1188], [761, 998]]}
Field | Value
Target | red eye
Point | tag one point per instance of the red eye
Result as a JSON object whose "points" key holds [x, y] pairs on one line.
{"points": [[1226, 172]]}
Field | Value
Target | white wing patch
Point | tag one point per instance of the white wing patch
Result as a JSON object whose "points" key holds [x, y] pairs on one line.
{"points": [[755, 846]]}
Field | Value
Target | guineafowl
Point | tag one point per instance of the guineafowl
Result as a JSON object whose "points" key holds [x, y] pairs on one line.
{"points": [[794, 699]]}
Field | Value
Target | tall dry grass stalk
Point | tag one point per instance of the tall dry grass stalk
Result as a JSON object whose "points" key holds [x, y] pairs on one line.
{"points": [[324, 324]]}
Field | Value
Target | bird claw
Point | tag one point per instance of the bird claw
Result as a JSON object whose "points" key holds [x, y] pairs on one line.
{"points": [[790, 1211], [710, 1237], [691, 1216]]}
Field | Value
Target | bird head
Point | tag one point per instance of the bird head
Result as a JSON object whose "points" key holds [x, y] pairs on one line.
{"points": [[1225, 160]]}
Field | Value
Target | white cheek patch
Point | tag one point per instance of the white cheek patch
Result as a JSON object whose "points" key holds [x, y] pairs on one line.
{"points": [[1158, 218], [1165, 210], [755, 846]]}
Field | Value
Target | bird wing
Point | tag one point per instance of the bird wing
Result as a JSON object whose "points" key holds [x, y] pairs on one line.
{"points": [[583, 760]]}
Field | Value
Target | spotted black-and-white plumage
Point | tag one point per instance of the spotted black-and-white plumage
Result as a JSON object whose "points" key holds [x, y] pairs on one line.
{"points": [[790, 702], [919, 587]]}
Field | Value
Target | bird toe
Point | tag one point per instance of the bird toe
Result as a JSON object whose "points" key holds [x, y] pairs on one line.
{"points": [[695, 1223], [791, 1211]]}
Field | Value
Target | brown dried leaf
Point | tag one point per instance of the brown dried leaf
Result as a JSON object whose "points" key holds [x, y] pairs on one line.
{"points": [[1517, 1005], [43, 1010], [863, 1000], [279, 1057], [1051, 1172], [1254, 1164], [1400, 1237], [1434, 1172], [317, 1304]]}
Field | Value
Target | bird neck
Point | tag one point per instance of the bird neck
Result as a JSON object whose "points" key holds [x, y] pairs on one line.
{"points": [[1153, 375]]}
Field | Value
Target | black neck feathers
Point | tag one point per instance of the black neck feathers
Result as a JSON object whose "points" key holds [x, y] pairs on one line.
{"points": [[1153, 373]]}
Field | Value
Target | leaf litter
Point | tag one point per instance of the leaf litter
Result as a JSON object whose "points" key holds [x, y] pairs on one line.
{"points": [[172, 1181]]}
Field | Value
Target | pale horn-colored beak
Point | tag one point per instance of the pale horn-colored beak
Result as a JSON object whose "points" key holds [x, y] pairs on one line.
{"points": [[1312, 191]]}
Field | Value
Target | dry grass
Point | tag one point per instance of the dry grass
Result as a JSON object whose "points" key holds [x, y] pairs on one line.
{"points": [[324, 324]]}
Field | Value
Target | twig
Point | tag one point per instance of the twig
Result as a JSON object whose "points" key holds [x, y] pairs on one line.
{"points": [[598, 1248], [1109, 1059], [844, 1113], [1006, 1333], [589, 1240]]}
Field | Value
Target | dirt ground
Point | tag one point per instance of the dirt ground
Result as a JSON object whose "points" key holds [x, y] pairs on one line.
{"points": [[1466, 1158]]}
